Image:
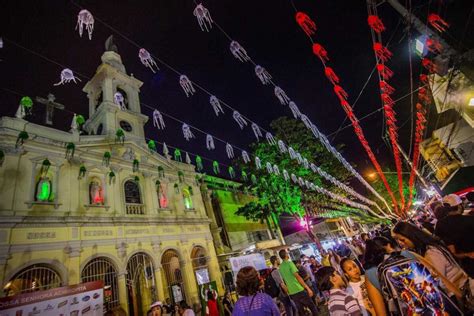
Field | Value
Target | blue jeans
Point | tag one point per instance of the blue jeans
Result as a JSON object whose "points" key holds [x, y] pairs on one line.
{"points": [[290, 307]]}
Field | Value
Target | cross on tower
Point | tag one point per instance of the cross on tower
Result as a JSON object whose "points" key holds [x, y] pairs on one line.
{"points": [[50, 106]]}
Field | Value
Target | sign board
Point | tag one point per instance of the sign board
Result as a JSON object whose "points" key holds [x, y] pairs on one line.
{"points": [[202, 276], [255, 260], [75, 300]]}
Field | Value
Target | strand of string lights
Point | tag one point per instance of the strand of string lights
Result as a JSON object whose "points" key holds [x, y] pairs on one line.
{"points": [[191, 85], [239, 52]]}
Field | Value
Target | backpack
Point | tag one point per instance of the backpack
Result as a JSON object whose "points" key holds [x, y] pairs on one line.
{"points": [[409, 288], [271, 287]]}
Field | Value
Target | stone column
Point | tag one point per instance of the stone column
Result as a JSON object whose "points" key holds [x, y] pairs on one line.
{"points": [[122, 290], [214, 271], [73, 250], [190, 284], [160, 288]]}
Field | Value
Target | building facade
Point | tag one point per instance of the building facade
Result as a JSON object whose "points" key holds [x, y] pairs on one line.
{"points": [[114, 210]]}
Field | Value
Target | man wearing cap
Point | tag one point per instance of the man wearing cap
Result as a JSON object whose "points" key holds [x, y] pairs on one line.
{"points": [[456, 231], [156, 308]]}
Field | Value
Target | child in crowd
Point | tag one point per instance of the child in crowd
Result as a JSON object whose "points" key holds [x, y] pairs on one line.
{"points": [[357, 287], [340, 303]]}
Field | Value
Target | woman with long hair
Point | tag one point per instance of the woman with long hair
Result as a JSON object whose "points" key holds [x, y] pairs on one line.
{"points": [[252, 301], [374, 255], [431, 252]]}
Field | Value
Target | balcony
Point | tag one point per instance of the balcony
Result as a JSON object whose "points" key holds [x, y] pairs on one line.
{"points": [[134, 209]]}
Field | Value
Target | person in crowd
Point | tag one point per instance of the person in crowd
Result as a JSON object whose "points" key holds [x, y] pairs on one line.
{"points": [[335, 261], [251, 301], [314, 264], [283, 297], [430, 251], [211, 308], [298, 290], [453, 228], [374, 255], [364, 237], [340, 303], [166, 310], [356, 286], [156, 308], [325, 258], [469, 208], [184, 309], [227, 304]]}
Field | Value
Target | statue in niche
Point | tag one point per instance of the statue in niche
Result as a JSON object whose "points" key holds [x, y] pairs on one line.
{"points": [[43, 190], [96, 193]]}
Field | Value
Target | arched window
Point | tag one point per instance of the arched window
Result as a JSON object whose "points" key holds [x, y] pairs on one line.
{"points": [[102, 269], [37, 277], [96, 192], [162, 198], [188, 199], [132, 192], [140, 282], [125, 96]]}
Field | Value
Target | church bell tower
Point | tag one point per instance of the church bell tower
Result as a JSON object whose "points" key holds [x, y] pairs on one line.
{"points": [[109, 82]]}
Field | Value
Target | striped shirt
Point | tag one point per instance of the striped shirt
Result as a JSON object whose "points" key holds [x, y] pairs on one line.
{"points": [[340, 304]]}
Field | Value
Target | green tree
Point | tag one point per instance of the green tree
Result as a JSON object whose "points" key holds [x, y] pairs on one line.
{"points": [[392, 180], [277, 196]]}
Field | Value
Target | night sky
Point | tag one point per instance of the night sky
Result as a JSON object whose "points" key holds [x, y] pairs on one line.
{"points": [[265, 28]]}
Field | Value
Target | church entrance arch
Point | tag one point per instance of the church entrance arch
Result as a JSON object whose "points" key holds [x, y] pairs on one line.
{"points": [[173, 271], [141, 285]]}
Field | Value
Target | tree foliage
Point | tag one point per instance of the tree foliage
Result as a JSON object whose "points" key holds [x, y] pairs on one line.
{"points": [[277, 196]]}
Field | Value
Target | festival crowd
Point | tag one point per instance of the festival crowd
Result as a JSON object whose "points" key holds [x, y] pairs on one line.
{"points": [[420, 266]]}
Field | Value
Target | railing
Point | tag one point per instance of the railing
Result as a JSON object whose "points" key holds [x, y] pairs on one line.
{"points": [[134, 209]]}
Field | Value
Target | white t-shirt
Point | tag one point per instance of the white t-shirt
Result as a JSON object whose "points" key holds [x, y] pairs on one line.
{"points": [[188, 312], [358, 290], [449, 270]]}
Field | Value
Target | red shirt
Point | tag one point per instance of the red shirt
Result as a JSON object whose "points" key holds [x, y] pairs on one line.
{"points": [[212, 307]]}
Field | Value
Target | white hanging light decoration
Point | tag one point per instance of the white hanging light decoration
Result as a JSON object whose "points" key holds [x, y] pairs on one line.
{"points": [[305, 163], [299, 158], [294, 178], [256, 131], [269, 167], [187, 85], [316, 133], [294, 109], [258, 163], [188, 134], [292, 153], [158, 121], [85, 19], [188, 159], [270, 138], [21, 112], [281, 95], [216, 105], [203, 17], [282, 146], [74, 123], [230, 150], [239, 119], [67, 76], [210, 142], [286, 176], [147, 60], [276, 170], [245, 156], [313, 167], [119, 100], [306, 121], [263, 74], [165, 151], [301, 181], [238, 51]]}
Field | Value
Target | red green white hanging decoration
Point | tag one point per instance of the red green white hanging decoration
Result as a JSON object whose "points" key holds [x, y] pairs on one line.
{"points": [[239, 119], [216, 105], [187, 133], [305, 22], [230, 150], [210, 142], [85, 20], [120, 136], [82, 171], [203, 17], [177, 155], [45, 167], [238, 51], [187, 85], [119, 100], [199, 165], [294, 109], [106, 158], [67, 76], [22, 137], [245, 156], [158, 121], [70, 149], [231, 172], [147, 60], [270, 138], [111, 177], [256, 131], [161, 172], [437, 22], [281, 95], [152, 146], [135, 165], [215, 167], [263, 75], [258, 163]]}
